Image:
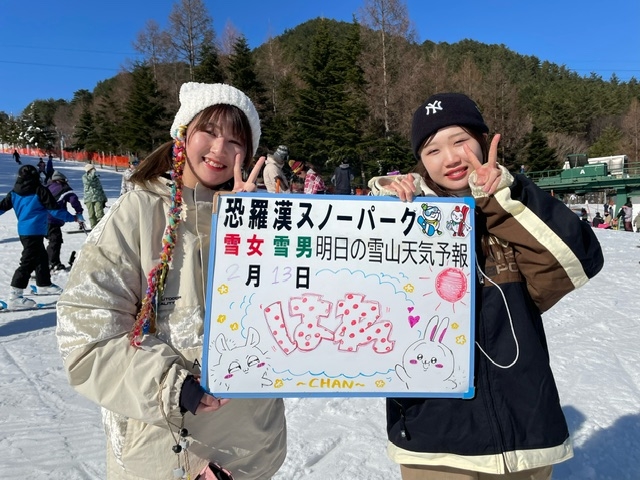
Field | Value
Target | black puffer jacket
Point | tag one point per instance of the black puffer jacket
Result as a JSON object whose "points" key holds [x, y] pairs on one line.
{"points": [[536, 251]]}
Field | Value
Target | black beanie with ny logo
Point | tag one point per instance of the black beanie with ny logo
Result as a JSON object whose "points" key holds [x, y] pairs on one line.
{"points": [[444, 110]]}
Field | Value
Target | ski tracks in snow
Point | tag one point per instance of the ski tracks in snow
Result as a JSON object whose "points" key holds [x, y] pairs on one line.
{"points": [[37, 425]]}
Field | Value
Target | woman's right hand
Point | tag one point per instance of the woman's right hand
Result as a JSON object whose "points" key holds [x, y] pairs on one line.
{"points": [[240, 185]]}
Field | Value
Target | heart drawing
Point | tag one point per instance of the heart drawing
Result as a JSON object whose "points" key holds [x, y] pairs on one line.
{"points": [[413, 320]]}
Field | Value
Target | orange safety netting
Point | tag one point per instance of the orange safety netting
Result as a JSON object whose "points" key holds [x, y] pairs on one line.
{"points": [[106, 160]]}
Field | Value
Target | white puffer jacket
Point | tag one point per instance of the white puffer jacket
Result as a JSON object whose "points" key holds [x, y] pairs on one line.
{"points": [[272, 172], [139, 388]]}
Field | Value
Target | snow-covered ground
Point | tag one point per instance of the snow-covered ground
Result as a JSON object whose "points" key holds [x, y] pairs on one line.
{"points": [[49, 431]]}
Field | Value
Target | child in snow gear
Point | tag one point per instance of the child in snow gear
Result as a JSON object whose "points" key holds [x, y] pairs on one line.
{"points": [[31, 203], [136, 298], [64, 195], [514, 426], [94, 196]]}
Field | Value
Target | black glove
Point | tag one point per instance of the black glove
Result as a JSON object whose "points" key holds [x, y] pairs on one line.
{"points": [[190, 395]]}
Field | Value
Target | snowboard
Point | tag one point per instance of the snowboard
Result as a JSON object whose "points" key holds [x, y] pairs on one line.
{"points": [[4, 308]]}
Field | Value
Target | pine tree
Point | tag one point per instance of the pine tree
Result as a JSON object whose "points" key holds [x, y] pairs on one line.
{"points": [[607, 143], [145, 117], [34, 127], [6, 128], [354, 106], [322, 130], [208, 70], [83, 132], [538, 153], [106, 119], [243, 75]]}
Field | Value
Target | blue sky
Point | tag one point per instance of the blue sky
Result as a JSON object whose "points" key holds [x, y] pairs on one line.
{"points": [[52, 49]]}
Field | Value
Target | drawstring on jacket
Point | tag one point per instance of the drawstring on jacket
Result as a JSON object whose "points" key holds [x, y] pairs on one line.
{"points": [[513, 331], [404, 432]]}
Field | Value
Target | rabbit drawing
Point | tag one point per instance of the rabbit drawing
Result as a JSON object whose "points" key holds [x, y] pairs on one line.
{"points": [[428, 363], [243, 365]]}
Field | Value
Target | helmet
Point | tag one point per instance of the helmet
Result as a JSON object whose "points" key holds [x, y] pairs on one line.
{"points": [[58, 176], [28, 171]]}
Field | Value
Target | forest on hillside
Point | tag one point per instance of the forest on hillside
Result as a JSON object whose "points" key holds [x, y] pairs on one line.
{"points": [[336, 91]]}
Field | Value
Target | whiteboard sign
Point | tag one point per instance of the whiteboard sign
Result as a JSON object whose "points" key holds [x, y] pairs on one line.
{"points": [[319, 295]]}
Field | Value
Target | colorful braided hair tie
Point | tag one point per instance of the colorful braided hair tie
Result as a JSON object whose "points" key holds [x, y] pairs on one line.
{"points": [[145, 322]]}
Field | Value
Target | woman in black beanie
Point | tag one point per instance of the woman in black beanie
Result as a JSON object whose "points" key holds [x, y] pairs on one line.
{"points": [[531, 251]]}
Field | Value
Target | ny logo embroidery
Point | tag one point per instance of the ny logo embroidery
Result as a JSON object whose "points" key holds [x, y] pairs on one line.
{"points": [[435, 106]]}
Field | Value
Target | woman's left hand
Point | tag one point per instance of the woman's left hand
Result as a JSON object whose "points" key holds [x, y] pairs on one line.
{"points": [[240, 185], [209, 403], [402, 185], [488, 175]]}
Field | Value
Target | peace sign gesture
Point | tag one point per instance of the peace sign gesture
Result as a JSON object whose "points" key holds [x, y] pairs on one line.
{"points": [[240, 185], [488, 175]]}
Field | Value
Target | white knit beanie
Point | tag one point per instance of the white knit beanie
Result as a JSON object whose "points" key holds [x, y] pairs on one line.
{"points": [[195, 97]]}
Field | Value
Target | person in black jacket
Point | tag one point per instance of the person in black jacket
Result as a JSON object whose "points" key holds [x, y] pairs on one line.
{"points": [[597, 220], [342, 178], [531, 251], [31, 202], [16, 156]]}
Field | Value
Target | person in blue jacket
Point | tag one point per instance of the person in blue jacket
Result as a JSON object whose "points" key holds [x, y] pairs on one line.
{"points": [[64, 195], [31, 202], [49, 169]]}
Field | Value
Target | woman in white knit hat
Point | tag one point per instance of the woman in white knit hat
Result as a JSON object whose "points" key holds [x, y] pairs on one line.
{"points": [[131, 321]]}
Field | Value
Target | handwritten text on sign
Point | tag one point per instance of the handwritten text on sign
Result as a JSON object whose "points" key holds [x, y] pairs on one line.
{"points": [[335, 296]]}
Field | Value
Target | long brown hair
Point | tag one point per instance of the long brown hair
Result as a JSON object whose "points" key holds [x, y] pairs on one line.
{"points": [[480, 137], [160, 161]]}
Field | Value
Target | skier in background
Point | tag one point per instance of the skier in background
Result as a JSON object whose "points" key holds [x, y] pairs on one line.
{"points": [[31, 202], [94, 197], [64, 194], [127, 185], [48, 171]]}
